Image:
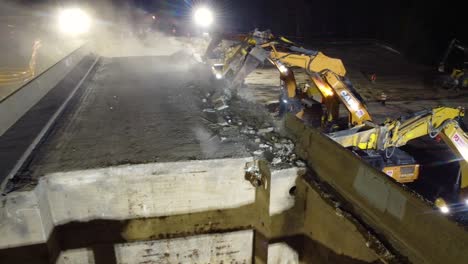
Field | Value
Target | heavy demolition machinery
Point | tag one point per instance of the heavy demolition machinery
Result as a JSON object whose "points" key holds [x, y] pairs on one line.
{"points": [[453, 66], [327, 85], [327, 88]]}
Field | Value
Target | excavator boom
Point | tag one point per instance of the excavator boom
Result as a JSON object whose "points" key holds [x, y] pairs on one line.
{"points": [[441, 121], [327, 85], [326, 74]]}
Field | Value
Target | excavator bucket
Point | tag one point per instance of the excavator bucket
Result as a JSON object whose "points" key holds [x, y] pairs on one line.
{"points": [[255, 57]]}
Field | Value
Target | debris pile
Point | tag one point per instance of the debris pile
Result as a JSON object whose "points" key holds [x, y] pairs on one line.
{"points": [[233, 117]]}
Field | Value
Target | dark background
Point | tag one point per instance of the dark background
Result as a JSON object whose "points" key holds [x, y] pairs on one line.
{"points": [[420, 29]]}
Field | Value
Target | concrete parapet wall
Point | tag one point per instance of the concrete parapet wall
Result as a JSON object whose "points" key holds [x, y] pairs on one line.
{"points": [[13, 107], [410, 225], [135, 208], [124, 192]]}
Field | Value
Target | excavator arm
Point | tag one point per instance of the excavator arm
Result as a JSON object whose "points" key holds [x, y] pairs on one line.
{"points": [[430, 123], [326, 74], [398, 132], [444, 122], [441, 121], [454, 45], [457, 140]]}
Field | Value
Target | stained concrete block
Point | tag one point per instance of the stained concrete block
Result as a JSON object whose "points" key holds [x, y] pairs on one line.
{"points": [[234, 247]]}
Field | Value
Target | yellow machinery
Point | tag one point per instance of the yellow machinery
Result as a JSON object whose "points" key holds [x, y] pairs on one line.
{"points": [[371, 140], [328, 85], [377, 144], [454, 66]]}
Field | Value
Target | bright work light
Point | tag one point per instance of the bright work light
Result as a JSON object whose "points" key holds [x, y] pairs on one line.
{"points": [[203, 17], [74, 21]]}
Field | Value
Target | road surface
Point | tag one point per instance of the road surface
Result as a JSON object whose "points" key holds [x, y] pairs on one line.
{"points": [[135, 110]]}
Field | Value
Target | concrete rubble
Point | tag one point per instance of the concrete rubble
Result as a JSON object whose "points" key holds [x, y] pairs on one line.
{"points": [[241, 118]]}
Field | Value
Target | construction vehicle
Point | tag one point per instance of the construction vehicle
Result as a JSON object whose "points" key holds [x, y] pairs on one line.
{"points": [[377, 144], [453, 66], [327, 84]]}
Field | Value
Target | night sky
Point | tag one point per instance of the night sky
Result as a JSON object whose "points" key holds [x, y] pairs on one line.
{"points": [[421, 29]]}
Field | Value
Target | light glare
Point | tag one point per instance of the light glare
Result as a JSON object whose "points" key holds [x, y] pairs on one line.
{"points": [[203, 17], [74, 21], [283, 69], [444, 209]]}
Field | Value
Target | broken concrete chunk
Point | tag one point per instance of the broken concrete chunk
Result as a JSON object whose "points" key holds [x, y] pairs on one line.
{"points": [[300, 163], [276, 161], [263, 131], [258, 152], [247, 131], [222, 107], [264, 146]]}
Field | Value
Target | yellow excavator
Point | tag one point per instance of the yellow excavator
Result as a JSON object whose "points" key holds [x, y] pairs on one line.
{"points": [[453, 66], [327, 84], [377, 144]]}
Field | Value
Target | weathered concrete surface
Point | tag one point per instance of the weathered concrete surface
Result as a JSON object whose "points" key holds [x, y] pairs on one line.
{"points": [[136, 110], [328, 227], [282, 197], [282, 253], [150, 190], [76, 256], [173, 201], [407, 222], [214, 248], [210, 248]]}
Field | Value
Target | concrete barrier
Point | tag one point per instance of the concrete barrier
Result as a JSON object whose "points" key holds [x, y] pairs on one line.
{"points": [[124, 192], [408, 224], [14, 106], [176, 212]]}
